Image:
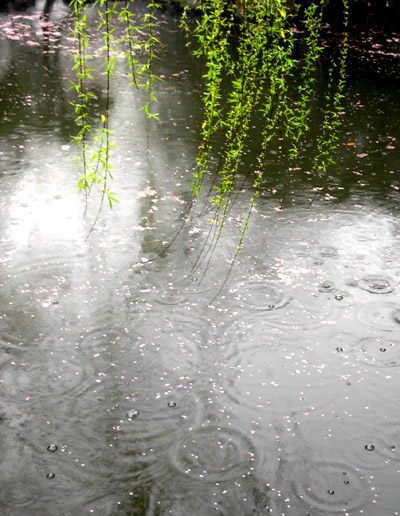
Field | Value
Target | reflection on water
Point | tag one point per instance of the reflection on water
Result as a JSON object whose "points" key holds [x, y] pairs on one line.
{"points": [[123, 390]]}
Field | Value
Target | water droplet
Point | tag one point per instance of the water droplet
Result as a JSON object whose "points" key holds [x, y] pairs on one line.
{"points": [[50, 475], [172, 404], [326, 286], [382, 349], [52, 447], [328, 251], [331, 491], [379, 285], [346, 221], [376, 285], [133, 414], [339, 298], [347, 482], [369, 447], [340, 350]]}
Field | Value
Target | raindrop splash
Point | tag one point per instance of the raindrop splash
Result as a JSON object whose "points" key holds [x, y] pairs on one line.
{"points": [[133, 414]]}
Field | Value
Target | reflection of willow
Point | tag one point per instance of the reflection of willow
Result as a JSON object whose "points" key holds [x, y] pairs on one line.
{"points": [[259, 71]]}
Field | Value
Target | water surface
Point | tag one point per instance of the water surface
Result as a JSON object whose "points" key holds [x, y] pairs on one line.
{"points": [[126, 386]]}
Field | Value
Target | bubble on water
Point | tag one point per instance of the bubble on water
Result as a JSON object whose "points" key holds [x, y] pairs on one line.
{"points": [[133, 414], [346, 482], [328, 251], [52, 448], [326, 286], [376, 284], [331, 491], [387, 443], [172, 404], [344, 298], [340, 350], [369, 447], [50, 475]]}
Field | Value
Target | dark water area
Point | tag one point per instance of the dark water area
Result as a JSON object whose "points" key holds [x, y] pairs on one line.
{"points": [[126, 388]]}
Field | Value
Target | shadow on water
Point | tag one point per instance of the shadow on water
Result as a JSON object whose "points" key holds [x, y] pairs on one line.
{"points": [[122, 390]]}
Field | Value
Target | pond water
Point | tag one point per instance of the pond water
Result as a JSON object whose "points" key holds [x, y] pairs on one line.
{"points": [[127, 387]]}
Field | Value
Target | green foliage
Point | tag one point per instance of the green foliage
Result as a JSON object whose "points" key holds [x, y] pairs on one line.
{"points": [[257, 67], [328, 141], [83, 74], [297, 115], [268, 89], [96, 144]]}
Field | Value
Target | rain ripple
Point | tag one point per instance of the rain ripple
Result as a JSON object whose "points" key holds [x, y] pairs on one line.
{"points": [[330, 487], [380, 351], [277, 378], [309, 311], [372, 447], [376, 284], [328, 252], [214, 454], [260, 296], [383, 315], [20, 495]]}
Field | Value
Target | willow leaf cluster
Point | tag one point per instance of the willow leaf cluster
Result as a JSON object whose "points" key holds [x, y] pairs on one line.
{"points": [[254, 90], [254, 63], [96, 144], [328, 141]]}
